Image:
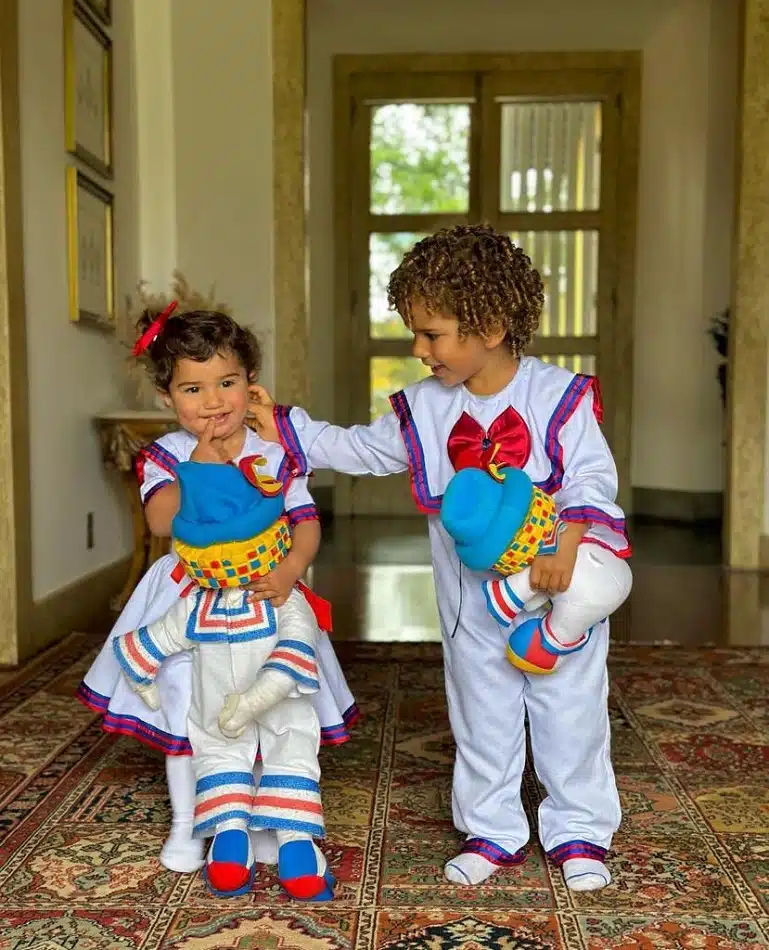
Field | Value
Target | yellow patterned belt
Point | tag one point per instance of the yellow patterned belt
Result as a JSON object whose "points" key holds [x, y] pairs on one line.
{"points": [[538, 530], [236, 563]]}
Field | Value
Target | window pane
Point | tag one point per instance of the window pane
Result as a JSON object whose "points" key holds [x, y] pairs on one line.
{"points": [[385, 252], [420, 158], [568, 264], [388, 375], [550, 156], [577, 363]]}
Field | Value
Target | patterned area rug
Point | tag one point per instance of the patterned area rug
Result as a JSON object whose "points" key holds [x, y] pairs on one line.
{"points": [[84, 815]]}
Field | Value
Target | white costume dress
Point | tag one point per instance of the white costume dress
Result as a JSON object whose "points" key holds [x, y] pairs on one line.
{"points": [[546, 421], [104, 688], [232, 639]]}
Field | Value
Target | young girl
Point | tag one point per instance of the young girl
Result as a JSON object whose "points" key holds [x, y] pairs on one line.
{"points": [[203, 363], [472, 300]]}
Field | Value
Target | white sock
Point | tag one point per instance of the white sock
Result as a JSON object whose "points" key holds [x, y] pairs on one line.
{"points": [[585, 874], [467, 868], [181, 852]]}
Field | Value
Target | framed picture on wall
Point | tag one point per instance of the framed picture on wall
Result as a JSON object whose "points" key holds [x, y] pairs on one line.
{"points": [[91, 280], [87, 89], [101, 9]]}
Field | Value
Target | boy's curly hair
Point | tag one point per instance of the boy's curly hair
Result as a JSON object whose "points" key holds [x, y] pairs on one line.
{"points": [[478, 276], [197, 335]]}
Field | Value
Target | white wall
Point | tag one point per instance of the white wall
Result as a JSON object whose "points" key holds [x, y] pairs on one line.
{"points": [[193, 189], [73, 370], [686, 187], [684, 243], [156, 155], [222, 107]]}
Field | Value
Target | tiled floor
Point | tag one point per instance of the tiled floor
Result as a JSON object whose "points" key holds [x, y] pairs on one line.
{"points": [[377, 574]]}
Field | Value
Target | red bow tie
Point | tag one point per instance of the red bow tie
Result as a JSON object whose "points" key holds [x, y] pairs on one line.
{"points": [[507, 443]]}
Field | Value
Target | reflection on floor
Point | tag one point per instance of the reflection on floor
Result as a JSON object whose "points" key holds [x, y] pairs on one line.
{"points": [[378, 576]]}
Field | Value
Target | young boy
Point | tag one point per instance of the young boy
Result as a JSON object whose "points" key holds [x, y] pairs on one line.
{"points": [[473, 300]]}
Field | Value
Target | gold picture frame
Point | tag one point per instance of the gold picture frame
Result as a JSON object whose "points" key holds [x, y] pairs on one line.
{"points": [[90, 251], [101, 9], [87, 89]]}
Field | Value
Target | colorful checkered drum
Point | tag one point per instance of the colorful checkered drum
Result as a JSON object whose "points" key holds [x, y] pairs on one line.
{"points": [[537, 531], [236, 563]]}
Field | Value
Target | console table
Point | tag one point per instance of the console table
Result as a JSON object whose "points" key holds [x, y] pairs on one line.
{"points": [[123, 435]]}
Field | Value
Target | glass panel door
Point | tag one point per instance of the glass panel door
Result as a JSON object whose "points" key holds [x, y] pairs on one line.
{"points": [[534, 153], [419, 178]]}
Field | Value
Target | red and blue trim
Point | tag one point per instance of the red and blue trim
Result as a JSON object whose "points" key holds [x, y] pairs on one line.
{"points": [[587, 514], [169, 744], [338, 735], [565, 409], [296, 659], [224, 796], [161, 457], [294, 464], [302, 513], [492, 852], [155, 452], [155, 488], [426, 502], [290, 803], [151, 736], [576, 849]]}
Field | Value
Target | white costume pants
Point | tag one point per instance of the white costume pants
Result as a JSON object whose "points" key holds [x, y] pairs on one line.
{"points": [[488, 700]]}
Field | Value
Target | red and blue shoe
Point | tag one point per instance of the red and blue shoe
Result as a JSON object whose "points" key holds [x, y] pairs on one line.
{"points": [[532, 649], [230, 866], [304, 873]]}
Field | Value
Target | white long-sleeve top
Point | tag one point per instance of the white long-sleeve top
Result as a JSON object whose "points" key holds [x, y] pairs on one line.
{"points": [[546, 419]]}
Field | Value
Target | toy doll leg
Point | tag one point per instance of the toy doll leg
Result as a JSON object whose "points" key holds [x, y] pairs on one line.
{"points": [[600, 584], [506, 597], [570, 741], [288, 798], [264, 841], [225, 786]]}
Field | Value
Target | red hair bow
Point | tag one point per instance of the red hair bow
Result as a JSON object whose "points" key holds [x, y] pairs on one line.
{"points": [[153, 330]]}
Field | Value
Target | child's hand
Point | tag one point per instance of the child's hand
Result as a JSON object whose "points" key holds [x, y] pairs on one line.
{"points": [[276, 586], [552, 572], [260, 410], [208, 448]]}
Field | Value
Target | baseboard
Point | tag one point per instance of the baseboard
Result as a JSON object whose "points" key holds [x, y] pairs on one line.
{"points": [[78, 606], [664, 504], [656, 504], [763, 558]]}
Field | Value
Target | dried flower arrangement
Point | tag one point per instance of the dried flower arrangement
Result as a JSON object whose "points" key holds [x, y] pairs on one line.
{"points": [[188, 299]]}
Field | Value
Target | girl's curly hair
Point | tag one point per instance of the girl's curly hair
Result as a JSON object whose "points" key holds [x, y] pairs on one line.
{"points": [[196, 335], [478, 276]]}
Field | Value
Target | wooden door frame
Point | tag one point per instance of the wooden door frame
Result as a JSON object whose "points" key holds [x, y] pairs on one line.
{"points": [[15, 504], [746, 546], [292, 338], [625, 68]]}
